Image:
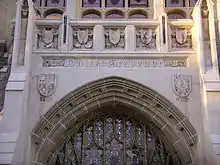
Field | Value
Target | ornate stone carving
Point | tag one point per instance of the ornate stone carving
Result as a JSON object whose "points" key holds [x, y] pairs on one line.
{"points": [[113, 63], [48, 38], [175, 63], [146, 38], [82, 38], [114, 38], [181, 38], [46, 85], [182, 87]]}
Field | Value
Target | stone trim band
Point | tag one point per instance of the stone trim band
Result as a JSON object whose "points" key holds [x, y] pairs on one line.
{"points": [[114, 63]]}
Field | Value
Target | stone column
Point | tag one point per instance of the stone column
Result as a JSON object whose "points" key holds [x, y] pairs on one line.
{"points": [[17, 33], [71, 8], [130, 38], [158, 8], [98, 38], [199, 39], [65, 33], [163, 34], [212, 34]]}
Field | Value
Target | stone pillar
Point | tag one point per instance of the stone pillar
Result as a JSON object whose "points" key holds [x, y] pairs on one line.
{"points": [[158, 8], [130, 38], [213, 37], [71, 8], [17, 33], [98, 38], [163, 34], [65, 33], [14, 134], [199, 45]]}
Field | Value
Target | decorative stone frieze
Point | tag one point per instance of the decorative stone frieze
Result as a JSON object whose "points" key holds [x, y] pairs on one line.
{"points": [[182, 87], [146, 38], [181, 38], [47, 38], [82, 38], [46, 85], [113, 63], [114, 38]]}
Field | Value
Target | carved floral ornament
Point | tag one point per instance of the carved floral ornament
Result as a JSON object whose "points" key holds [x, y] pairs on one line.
{"points": [[114, 38], [47, 38], [82, 38], [46, 85]]}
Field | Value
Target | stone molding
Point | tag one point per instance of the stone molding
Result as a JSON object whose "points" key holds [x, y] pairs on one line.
{"points": [[113, 63]]}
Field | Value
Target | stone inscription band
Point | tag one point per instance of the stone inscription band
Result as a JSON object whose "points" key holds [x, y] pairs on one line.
{"points": [[114, 63]]}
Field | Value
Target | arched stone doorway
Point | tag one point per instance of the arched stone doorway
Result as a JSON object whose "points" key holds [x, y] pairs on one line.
{"points": [[120, 101]]}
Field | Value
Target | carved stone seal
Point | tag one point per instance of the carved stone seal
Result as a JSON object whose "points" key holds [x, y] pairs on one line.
{"points": [[46, 85], [182, 86]]}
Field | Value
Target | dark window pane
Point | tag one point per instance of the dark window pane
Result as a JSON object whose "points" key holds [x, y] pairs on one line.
{"points": [[174, 3], [138, 3], [114, 3], [55, 3], [91, 3]]}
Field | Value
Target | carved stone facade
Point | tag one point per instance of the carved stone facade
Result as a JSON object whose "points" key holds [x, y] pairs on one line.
{"points": [[181, 38], [47, 38], [114, 38], [146, 38], [112, 82], [82, 38]]}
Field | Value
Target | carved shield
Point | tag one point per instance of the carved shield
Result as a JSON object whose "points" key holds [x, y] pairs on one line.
{"points": [[181, 36], [182, 85], [114, 36], [83, 36], [47, 36], [46, 84], [146, 36]]}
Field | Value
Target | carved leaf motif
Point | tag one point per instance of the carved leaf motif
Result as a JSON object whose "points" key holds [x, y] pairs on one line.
{"points": [[83, 36], [146, 36], [114, 36], [181, 36]]}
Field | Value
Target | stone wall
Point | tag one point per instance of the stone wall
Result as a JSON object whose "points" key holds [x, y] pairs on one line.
{"points": [[7, 13]]}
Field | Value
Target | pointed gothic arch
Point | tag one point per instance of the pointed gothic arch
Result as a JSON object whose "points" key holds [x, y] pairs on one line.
{"points": [[54, 127]]}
